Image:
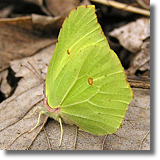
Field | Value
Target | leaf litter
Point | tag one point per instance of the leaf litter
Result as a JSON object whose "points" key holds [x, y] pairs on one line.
{"points": [[29, 95], [134, 133]]}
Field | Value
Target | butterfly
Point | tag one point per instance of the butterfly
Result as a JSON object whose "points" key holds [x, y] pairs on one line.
{"points": [[86, 85]]}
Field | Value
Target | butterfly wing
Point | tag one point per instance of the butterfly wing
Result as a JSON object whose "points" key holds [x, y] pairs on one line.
{"points": [[79, 30]]}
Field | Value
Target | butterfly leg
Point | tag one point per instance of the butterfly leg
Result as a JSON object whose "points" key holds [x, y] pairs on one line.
{"points": [[75, 138], [39, 117], [60, 122], [33, 112]]}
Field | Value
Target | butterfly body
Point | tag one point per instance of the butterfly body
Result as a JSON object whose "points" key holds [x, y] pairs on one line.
{"points": [[55, 113]]}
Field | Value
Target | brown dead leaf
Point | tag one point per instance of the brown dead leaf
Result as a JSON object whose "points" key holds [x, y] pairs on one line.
{"points": [[62, 7], [5, 11], [46, 23], [38, 2], [144, 3], [131, 36], [142, 59], [19, 39], [5, 88]]}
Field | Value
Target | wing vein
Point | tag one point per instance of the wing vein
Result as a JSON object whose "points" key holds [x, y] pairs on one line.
{"points": [[86, 118]]}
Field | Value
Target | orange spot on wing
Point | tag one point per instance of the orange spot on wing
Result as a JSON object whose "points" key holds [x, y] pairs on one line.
{"points": [[90, 81], [68, 51]]}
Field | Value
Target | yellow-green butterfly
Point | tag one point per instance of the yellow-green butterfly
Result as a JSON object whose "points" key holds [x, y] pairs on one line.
{"points": [[86, 84]]}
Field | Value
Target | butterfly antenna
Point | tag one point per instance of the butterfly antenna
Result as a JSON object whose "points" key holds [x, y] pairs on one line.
{"points": [[35, 72]]}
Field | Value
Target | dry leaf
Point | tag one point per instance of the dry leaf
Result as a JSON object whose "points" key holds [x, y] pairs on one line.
{"points": [[47, 23], [142, 59], [144, 3], [131, 36], [62, 7], [5, 88], [5, 11], [38, 2], [19, 39]]}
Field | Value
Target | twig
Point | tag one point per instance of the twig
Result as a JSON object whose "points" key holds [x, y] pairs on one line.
{"points": [[123, 6], [138, 84]]}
